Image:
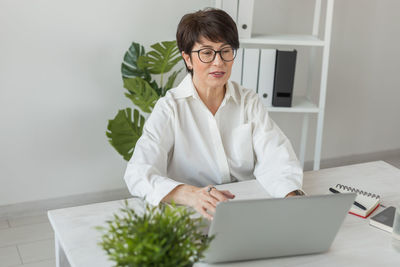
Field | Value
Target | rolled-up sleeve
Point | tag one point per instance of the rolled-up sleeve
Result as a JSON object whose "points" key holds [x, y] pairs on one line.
{"points": [[146, 173], [277, 167]]}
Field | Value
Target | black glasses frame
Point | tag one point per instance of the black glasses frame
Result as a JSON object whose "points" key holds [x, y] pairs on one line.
{"points": [[215, 54]]}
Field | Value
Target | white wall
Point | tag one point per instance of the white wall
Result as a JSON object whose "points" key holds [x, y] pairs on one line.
{"points": [[363, 111], [60, 83]]}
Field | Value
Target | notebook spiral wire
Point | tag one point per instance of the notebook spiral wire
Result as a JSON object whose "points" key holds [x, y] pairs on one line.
{"points": [[358, 191]]}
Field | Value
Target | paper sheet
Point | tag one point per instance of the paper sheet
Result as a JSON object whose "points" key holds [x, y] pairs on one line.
{"points": [[251, 189]]}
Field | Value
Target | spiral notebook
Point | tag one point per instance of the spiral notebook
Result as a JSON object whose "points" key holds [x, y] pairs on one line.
{"points": [[369, 200]]}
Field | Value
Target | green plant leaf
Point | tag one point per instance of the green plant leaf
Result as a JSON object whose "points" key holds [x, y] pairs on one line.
{"points": [[161, 59], [155, 86], [129, 67], [141, 93], [170, 82], [124, 131]]}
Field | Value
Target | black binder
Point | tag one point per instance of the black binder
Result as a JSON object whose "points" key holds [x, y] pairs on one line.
{"points": [[285, 65]]}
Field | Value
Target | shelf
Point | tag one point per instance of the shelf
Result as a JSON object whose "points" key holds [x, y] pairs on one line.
{"points": [[300, 104], [287, 39]]}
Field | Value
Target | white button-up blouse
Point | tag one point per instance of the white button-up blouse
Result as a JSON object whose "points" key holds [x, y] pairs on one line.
{"points": [[183, 142]]}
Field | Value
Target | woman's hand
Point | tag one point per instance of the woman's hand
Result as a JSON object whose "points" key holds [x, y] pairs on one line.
{"points": [[201, 199], [296, 193], [205, 200]]}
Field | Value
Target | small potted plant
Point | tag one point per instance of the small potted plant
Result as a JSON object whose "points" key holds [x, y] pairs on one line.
{"points": [[164, 235]]}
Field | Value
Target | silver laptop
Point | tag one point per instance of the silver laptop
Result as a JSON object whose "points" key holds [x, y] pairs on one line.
{"points": [[264, 228]]}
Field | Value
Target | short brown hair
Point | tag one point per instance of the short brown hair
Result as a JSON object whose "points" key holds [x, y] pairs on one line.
{"points": [[211, 23]]}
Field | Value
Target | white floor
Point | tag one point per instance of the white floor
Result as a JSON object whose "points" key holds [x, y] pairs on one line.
{"points": [[29, 241], [26, 241]]}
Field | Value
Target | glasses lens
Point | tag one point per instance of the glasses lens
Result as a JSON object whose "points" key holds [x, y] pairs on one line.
{"points": [[228, 54], [206, 55]]}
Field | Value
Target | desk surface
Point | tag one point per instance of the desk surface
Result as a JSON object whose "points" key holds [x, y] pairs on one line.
{"points": [[356, 244]]}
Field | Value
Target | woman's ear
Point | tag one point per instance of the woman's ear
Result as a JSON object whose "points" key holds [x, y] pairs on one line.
{"points": [[188, 60]]}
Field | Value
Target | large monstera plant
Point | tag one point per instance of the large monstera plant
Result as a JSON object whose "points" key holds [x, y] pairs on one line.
{"points": [[143, 90]]}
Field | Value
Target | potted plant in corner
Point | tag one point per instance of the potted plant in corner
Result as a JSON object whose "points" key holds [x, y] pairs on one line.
{"points": [[143, 90]]}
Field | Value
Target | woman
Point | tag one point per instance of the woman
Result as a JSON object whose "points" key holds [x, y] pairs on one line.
{"points": [[209, 130]]}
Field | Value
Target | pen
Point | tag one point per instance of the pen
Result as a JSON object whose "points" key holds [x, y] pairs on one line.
{"points": [[355, 202]]}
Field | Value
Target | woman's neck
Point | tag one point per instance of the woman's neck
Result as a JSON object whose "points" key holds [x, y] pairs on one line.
{"points": [[211, 96]]}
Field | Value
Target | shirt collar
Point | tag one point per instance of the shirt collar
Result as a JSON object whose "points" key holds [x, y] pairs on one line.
{"points": [[231, 92], [186, 88]]}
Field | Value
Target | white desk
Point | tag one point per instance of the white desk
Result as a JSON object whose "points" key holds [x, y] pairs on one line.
{"points": [[357, 243]]}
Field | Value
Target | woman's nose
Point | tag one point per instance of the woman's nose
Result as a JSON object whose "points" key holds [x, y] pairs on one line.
{"points": [[218, 59]]}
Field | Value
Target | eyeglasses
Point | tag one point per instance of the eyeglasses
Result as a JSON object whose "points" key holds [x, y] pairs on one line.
{"points": [[207, 55]]}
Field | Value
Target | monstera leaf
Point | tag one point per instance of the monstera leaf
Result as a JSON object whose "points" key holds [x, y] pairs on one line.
{"points": [[156, 88], [170, 82], [141, 93], [123, 132], [162, 59], [129, 67]]}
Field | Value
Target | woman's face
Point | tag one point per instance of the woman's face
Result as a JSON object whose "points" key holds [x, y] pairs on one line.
{"points": [[214, 74]]}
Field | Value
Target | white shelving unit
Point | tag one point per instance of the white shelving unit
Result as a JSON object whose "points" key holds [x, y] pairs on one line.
{"points": [[301, 104], [287, 39]]}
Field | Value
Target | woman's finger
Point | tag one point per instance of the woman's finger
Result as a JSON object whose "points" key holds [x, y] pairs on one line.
{"points": [[227, 193], [209, 207], [205, 214], [218, 195], [211, 199], [208, 196]]}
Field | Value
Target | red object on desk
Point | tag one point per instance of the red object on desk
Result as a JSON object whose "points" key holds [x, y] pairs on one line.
{"points": [[367, 214]]}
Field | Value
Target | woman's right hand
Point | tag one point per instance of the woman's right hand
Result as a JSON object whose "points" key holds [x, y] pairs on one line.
{"points": [[201, 199], [205, 201]]}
